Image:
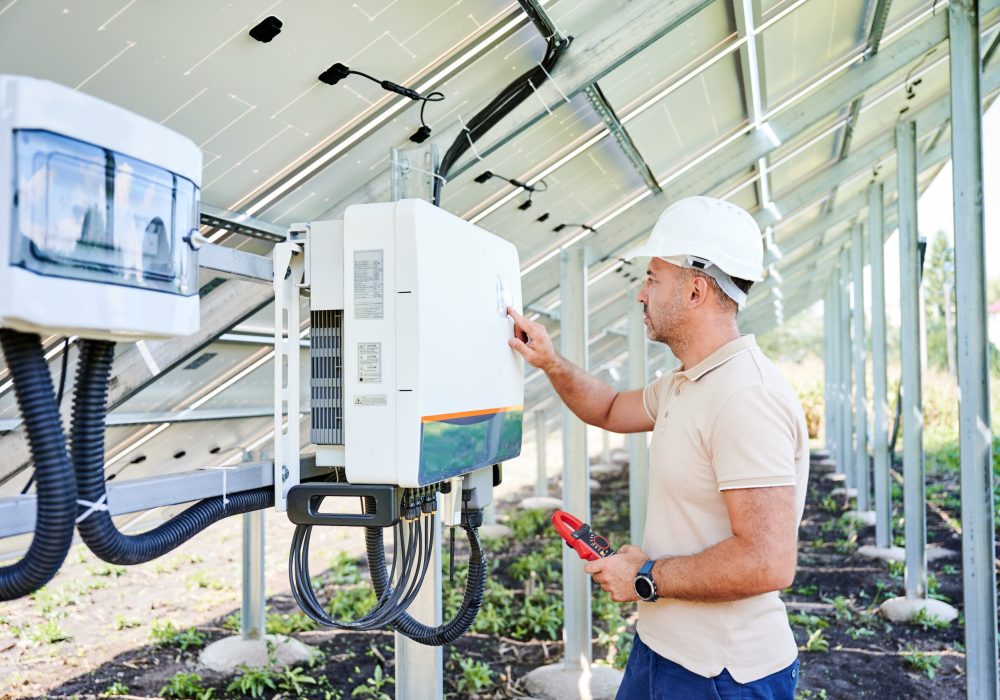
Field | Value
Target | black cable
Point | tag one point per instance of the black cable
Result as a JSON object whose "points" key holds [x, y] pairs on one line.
{"points": [[500, 106], [413, 552], [475, 586], [96, 527], [386, 607], [431, 97], [56, 491], [59, 398]]}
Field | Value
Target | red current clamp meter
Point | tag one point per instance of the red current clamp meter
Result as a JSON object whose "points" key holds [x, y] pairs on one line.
{"points": [[580, 537]]}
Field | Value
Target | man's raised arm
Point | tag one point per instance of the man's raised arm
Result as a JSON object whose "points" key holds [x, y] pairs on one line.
{"points": [[593, 401]]}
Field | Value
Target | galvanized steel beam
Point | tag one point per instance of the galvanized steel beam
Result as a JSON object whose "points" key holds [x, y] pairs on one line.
{"points": [[975, 439], [915, 576], [880, 427], [576, 464], [638, 449], [861, 462]]}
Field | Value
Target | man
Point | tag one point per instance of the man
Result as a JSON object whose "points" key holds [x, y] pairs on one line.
{"points": [[728, 467]]}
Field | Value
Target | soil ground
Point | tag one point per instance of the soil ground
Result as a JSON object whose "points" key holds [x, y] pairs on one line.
{"points": [[89, 633]]}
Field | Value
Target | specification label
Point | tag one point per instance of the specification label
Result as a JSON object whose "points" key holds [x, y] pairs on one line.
{"points": [[369, 286], [370, 363]]}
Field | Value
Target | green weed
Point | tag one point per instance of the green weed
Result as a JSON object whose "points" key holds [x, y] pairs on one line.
{"points": [[48, 632], [927, 664], [374, 687], [186, 686], [124, 623], [106, 569], [928, 621], [115, 689], [475, 676], [526, 524], [254, 681], [164, 633], [817, 642]]}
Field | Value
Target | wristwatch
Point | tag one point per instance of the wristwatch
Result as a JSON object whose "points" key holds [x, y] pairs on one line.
{"points": [[645, 586]]}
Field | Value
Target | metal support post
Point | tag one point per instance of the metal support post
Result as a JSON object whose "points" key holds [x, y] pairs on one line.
{"points": [[975, 440], [880, 432], [605, 447], [913, 417], [419, 668], [638, 449], [252, 616], [844, 336], [541, 442], [829, 420], [576, 468], [861, 464], [836, 400], [289, 267]]}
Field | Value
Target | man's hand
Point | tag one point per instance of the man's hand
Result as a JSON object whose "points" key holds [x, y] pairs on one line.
{"points": [[616, 574], [532, 341]]}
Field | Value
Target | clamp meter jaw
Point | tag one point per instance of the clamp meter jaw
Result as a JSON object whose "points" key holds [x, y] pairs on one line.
{"points": [[579, 537]]}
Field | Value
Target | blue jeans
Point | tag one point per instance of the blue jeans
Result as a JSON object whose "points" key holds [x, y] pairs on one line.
{"points": [[649, 675]]}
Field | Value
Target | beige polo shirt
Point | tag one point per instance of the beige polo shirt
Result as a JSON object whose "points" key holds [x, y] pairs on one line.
{"points": [[730, 422]]}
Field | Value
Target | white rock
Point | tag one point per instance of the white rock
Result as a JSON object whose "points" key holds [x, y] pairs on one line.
{"points": [[561, 682], [226, 654]]}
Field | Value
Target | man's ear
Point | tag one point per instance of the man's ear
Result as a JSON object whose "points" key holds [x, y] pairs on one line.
{"points": [[700, 290]]}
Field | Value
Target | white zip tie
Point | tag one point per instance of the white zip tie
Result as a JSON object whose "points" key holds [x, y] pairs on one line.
{"points": [[468, 135], [427, 172], [225, 497], [100, 505], [225, 487], [547, 75], [535, 90]]}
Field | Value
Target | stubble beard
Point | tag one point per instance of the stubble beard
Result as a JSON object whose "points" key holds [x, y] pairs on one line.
{"points": [[664, 323]]}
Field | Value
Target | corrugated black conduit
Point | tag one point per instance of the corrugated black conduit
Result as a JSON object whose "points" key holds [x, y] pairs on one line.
{"points": [[87, 447], [56, 488], [475, 586]]}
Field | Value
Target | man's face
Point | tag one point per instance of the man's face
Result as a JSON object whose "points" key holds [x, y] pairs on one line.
{"points": [[662, 301]]}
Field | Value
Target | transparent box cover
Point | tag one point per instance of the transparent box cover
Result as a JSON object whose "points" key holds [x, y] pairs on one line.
{"points": [[88, 213]]}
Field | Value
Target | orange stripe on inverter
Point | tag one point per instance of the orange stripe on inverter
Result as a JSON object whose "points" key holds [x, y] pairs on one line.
{"points": [[469, 414]]}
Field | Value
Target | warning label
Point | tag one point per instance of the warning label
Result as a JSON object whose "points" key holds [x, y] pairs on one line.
{"points": [[370, 400], [370, 362], [369, 286]]}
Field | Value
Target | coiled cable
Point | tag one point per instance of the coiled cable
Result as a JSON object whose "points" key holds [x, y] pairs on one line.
{"points": [[55, 487], [397, 585]]}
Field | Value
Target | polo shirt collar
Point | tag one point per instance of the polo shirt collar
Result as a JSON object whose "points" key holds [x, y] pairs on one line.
{"points": [[720, 357]]}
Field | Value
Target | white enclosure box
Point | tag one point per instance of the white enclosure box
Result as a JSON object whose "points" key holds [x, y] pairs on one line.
{"points": [[432, 390], [95, 203]]}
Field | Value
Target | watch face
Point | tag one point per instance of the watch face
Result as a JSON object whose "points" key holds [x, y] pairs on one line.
{"points": [[643, 588]]}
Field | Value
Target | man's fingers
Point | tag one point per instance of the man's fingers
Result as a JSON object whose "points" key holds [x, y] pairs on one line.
{"points": [[594, 567], [518, 318]]}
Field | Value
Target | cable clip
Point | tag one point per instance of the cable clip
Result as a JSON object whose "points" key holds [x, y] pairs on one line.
{"points": [[554, 83], [468, 135], [406, 166], [101, 504]]}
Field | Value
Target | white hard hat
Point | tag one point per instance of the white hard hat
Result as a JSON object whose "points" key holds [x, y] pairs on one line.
{"points": [[711, 230]]}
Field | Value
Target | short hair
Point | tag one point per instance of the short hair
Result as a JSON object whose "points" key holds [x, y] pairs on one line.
{"points": [[725, 301]]}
